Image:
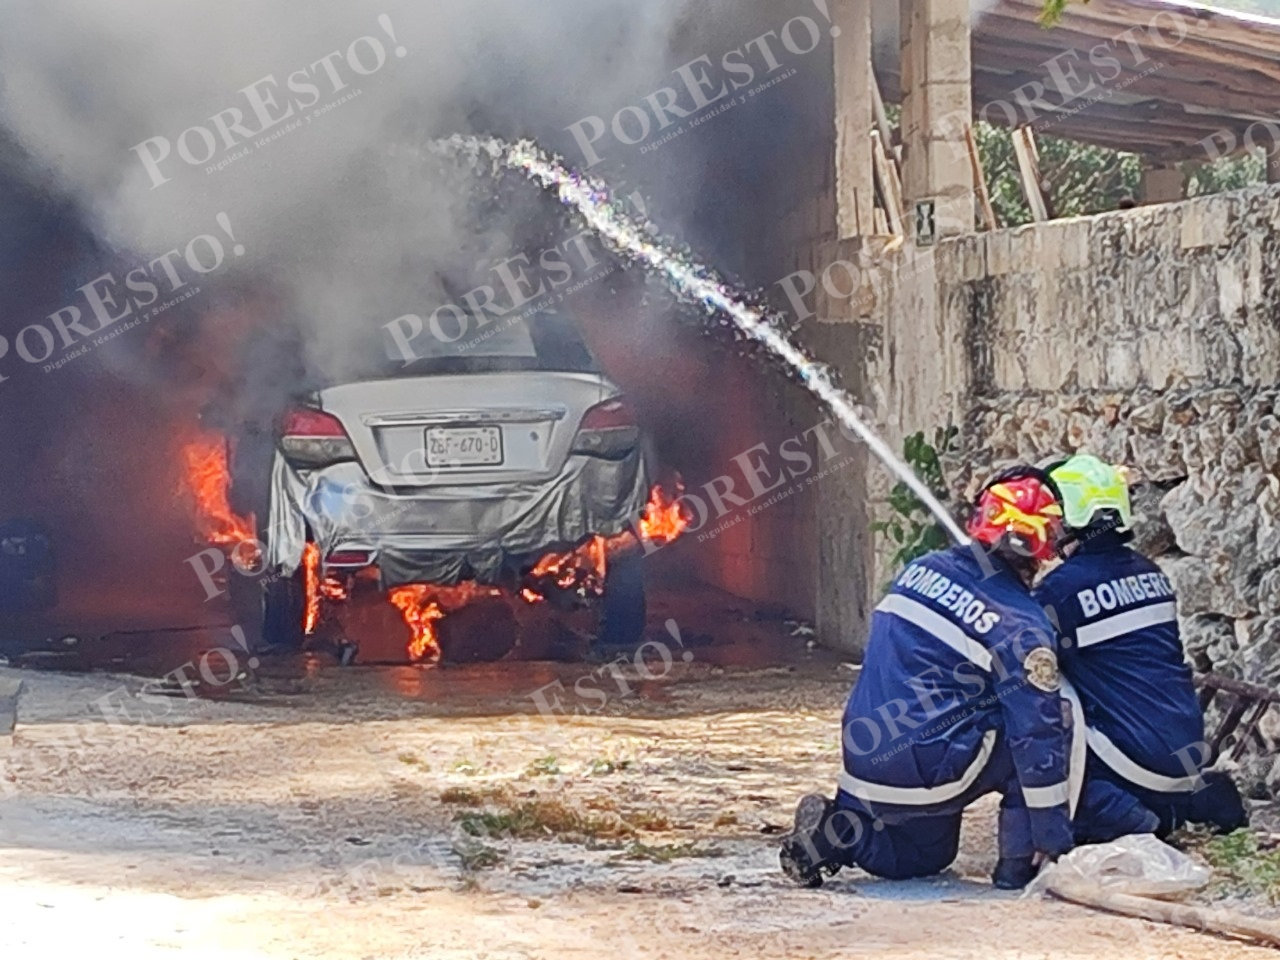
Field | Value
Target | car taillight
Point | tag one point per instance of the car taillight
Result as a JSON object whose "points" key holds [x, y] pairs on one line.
{"points": [[349, 558], [607, 430], [313, 438]]}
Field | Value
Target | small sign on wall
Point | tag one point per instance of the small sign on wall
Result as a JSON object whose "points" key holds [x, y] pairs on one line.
{"points": [[926, 222]]}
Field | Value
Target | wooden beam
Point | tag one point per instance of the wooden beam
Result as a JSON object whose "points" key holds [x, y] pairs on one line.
{"points": [[1260, 101], [1167, 121], [1108, 20], [1024, 147], [882, 121], [1246, 80], [1227, 923], [890, 186], [980, 180]]}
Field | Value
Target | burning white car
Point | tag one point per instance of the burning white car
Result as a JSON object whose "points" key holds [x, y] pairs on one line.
{"points": [[467, 465]]}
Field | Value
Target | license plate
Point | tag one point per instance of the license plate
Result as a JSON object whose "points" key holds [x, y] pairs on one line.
{"points": [[464, 446]]}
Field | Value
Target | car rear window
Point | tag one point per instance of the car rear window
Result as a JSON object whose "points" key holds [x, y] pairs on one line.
{"points": [[546, 340]]}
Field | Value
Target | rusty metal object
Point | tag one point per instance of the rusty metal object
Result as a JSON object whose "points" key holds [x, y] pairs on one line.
{"points": [[1241, 699]]}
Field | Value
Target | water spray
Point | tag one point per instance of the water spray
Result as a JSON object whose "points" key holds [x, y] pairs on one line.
{"points": [[628, 237]]}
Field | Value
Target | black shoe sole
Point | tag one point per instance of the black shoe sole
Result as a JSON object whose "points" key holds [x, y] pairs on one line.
{"points": [[794, 857]]}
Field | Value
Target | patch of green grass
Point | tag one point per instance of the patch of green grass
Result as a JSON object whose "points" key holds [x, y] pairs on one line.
{"points": [[477, 856], [603, 766], [539, 819], [1240, 867], [547, 766], [413, 760], [666, 852], [474, 796]]}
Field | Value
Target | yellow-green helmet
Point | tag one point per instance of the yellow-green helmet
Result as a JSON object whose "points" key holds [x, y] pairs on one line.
{"points": [[1089, 486]]}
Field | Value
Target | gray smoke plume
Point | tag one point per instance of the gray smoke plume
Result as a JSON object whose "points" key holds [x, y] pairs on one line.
{"points": [[296, 119]]}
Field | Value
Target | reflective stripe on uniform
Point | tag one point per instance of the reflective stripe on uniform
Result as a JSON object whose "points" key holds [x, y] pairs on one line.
{"points": [[1116, 759], [939, 626], [1127, 622], [869, 792], [1079, 745], [1038, 798]]}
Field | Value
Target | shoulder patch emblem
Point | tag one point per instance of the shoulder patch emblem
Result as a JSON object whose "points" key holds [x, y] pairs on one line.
{"points": [[1041, 666]]}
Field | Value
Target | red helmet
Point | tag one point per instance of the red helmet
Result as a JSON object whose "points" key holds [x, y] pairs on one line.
{"points": [[1021, 503]]}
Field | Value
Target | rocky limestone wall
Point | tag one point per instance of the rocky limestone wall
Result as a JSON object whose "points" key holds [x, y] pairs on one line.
{"points": [[1151, 337], [1206, 466]]}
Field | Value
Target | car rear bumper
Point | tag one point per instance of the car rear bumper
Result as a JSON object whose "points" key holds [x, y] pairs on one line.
{"points": [[444, 534]]}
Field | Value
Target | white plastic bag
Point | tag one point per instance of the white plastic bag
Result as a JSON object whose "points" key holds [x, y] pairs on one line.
{"points": [[1139, 865]]}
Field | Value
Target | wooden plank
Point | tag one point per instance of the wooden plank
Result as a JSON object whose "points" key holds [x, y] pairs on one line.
{"points": [[1253, 48], [890, 187], [1168, 119], [1252, 102], [1024, 148], [980, 180], [1033, 41], [882, 120]]}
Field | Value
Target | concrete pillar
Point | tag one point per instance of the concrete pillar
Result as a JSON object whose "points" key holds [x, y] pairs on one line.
{"points": [[937, 103], [855, 186], [844, 584], [1162, 184]]}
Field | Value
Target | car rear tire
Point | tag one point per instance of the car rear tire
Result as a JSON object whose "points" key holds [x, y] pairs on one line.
{"points": [[284, 603], [624, 607]]}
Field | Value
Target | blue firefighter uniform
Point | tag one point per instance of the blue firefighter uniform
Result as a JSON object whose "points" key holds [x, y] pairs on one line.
{"points": [[1122, 657], [958, 697]]}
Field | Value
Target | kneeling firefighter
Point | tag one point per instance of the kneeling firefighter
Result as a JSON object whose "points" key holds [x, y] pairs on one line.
{"points": [[1123, 661], [958, 697]]}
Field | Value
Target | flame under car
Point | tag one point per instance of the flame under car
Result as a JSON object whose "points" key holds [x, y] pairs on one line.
{"points": [[463, 465]]}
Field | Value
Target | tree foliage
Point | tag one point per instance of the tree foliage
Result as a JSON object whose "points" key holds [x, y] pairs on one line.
{"points": [[1053, 9], [911, 525], [1080, 179]]}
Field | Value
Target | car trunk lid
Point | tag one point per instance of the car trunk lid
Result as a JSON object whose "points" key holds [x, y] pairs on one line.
{"points": [[472, 428]]}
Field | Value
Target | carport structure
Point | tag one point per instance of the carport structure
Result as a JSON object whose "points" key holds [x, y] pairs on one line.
{"points": [[1169, 80]]}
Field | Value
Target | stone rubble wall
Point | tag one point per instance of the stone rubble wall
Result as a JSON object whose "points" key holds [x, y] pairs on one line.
{"points": [[1205, 463], [1150, 337]]}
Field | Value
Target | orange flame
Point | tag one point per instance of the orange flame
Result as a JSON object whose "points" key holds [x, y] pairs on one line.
{"points": [[664, 518], [319, 587], [582, 567], [311, 580], [422, 604], [332, 588], [206, 479]]}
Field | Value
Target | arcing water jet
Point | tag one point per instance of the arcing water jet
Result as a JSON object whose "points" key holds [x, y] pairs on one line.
{"points": [[691, 281]]}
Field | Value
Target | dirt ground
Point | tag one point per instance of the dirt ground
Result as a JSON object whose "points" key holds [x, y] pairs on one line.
{"points": [[324, 813]]}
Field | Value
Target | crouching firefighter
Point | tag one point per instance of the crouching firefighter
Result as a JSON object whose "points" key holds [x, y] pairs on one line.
{"points": [[1126, 673], [958, 697]]}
